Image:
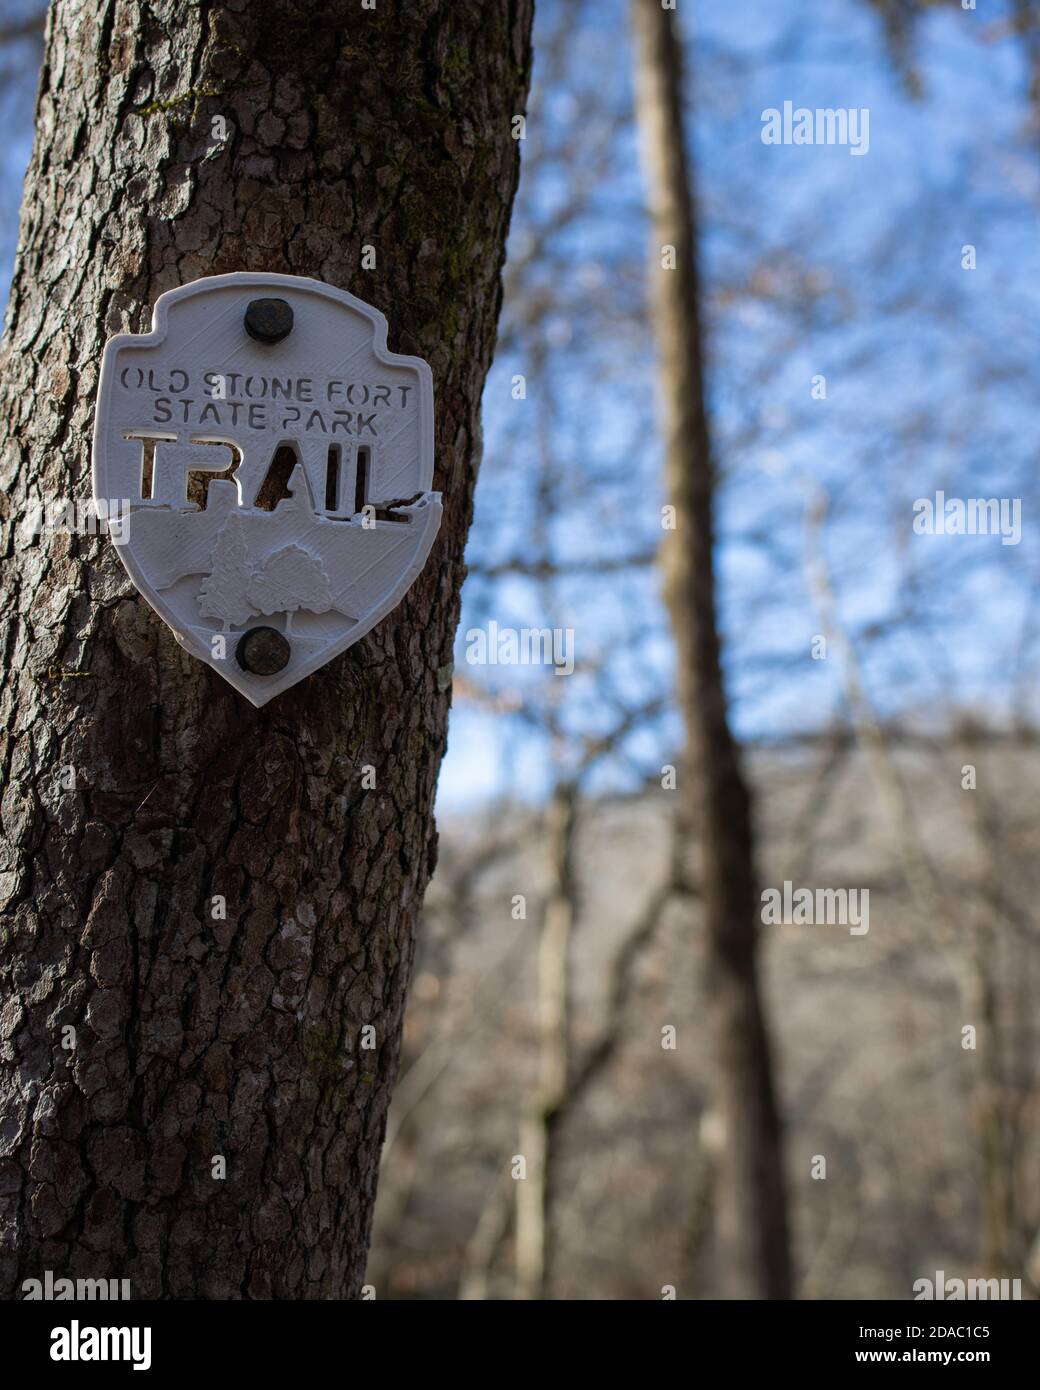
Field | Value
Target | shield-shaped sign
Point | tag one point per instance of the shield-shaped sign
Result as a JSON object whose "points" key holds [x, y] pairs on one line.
{"points": [[266, 464]]}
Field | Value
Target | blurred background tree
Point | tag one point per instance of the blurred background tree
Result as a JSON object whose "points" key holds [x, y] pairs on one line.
{"points": [[854, 365]]}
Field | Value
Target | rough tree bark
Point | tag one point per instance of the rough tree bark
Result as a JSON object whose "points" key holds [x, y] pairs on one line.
{"points": [[197, 1037], [751, 1216]]}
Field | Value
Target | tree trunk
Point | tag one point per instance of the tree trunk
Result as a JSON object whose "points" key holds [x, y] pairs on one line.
{"points": [[752, 1219], [535, 1195], [138, 785]]}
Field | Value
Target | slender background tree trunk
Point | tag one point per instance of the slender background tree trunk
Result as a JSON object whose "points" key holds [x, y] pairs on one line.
{"points": [[137, 784], [750, 1195], [535, 1238]]}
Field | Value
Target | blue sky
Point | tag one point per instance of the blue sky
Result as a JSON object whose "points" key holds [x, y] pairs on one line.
{"points": [[929, 376]]}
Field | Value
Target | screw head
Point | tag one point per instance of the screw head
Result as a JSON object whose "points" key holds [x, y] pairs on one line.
{"points": [[263, 650], [268, 320]]}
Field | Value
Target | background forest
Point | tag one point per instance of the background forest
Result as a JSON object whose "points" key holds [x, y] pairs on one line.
{"points": [[870, 326]]}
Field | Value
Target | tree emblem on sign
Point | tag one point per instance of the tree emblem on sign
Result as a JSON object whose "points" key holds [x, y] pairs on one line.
{"points": [[225, 590], [288, 580]]}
